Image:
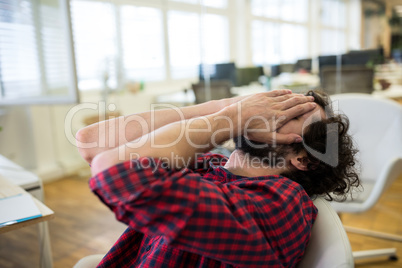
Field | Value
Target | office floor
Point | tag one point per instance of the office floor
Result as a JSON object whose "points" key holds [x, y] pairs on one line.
{"points": [[84, 226]]}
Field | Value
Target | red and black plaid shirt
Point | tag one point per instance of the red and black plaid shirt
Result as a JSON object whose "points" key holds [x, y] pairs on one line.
{"points": [[204, 216]]}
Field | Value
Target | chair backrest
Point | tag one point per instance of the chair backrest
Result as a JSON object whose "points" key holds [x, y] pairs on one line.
{"points": [[329, 245], [219, 90], [376, 127], [347, 79]]}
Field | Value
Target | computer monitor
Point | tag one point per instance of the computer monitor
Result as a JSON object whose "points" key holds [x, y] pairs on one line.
{"points": [[245, 76], [303, 64], [221, 71], [327, 61], [275, 70], [363, 57]]}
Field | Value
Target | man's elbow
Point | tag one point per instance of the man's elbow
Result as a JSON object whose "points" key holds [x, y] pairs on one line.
{"points": [[103, 161], [84, 145]]}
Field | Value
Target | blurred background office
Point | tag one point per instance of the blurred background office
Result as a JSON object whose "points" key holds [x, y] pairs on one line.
{"points": [[65, 64]]}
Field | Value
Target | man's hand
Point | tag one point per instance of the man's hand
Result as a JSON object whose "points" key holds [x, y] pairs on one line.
{"points": [[261, 115]]}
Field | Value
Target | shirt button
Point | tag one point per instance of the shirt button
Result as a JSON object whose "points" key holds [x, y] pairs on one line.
{"points": [[148, 248]]}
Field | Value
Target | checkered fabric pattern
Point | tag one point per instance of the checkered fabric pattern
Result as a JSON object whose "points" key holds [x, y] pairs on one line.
{"points": [[203, 216]]}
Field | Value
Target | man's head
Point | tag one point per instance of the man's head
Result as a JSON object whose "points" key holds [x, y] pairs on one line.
{"points": [[307, 162]]}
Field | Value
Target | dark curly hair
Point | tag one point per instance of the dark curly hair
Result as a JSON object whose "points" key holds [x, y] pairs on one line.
{"points": [[332, 175]]}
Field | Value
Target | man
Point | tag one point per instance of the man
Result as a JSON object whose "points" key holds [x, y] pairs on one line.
{"points": [[189, 209]]}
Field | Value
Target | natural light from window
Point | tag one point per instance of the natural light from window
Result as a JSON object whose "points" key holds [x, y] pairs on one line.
{"points": [[142, 43]]}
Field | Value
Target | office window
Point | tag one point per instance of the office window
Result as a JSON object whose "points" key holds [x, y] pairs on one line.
{"points": [[56, 61], [287, 10], [185, 39], [142, 43], [333, 27], [264, 8], [208, 3], [265, 43], [275, 43], [184, 44], [186, 1], [294, 10], [35, 59], [332, 42], [20, 68], [294, 43], [95, 43], [215, 39], [279, 32], [333, 13], [215, 3]]}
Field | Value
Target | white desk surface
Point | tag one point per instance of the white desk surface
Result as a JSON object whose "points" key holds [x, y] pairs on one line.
{"points": [[393, 92], [177, 98], [187, 98], [17, 174], [294, 79], [7, 189], [247, 90]]}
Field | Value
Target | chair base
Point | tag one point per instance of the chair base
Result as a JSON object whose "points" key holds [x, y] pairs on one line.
{"points": [[375, 234], [366, 254], [90, 261]]}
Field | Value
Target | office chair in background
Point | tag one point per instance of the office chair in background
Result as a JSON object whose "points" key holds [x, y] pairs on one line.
{"points": [[347, 79], [376, 127], [220, 89]]}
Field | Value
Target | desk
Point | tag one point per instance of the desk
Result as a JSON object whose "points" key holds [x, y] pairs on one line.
{"points": [[180, 98], [21, 177], [393, 92], [248, 90], [297, 82], [8, 188]]}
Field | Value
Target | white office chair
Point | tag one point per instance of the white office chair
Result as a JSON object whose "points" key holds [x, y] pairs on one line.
{"points": [[90, 261], [329, 246], [376, 126]]}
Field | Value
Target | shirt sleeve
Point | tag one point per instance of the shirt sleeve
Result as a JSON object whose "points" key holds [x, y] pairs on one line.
{"points": [[244, 223]]}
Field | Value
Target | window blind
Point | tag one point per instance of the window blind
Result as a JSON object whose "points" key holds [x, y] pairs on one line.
{"points": [[19, 62], [35, 60]]}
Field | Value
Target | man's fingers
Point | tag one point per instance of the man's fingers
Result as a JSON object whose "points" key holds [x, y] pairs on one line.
{"points": [[299, 110], [278, 92], [293, 112], [296, 100], [290, 100], [283, 98]]}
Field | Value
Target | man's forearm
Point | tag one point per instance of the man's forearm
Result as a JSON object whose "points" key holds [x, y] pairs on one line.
{"points": [[113, 133], [176, 144]]}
